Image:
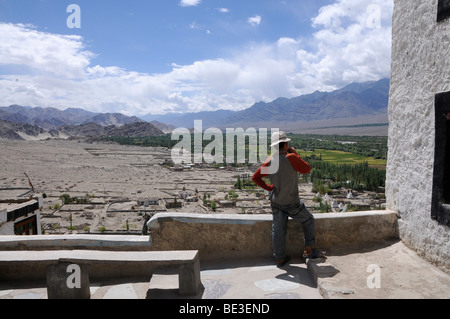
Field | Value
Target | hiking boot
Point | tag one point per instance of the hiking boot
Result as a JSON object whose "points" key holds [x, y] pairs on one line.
{"points": [[313, 253], [283, 262], [307, 253]]}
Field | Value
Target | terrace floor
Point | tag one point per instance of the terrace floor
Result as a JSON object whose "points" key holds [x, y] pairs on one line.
{"points": [[381, 271]]}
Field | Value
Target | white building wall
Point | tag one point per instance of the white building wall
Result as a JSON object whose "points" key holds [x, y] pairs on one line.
{"points": [[420, 69], [6, 228], [38, 215], [3, 216]]}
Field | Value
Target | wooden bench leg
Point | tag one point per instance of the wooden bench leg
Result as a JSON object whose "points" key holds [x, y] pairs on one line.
{"points": [[189, 278], [68, 281]]}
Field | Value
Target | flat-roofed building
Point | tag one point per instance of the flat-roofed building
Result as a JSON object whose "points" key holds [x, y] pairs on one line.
{"points": [[20, 216]]}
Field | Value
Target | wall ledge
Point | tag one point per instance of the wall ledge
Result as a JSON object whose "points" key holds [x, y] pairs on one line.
{"points": [[242, 219], [222, 235], [219, 235], [79, 241]]}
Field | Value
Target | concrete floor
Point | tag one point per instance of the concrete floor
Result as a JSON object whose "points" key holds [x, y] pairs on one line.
{"points": [[381, 271]]}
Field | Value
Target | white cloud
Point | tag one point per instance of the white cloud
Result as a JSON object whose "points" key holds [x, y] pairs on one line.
{"points": [[57, 54], [254, 21], [353, 41], [190, 3], [194, 25], [56, 70], [223, 10]]}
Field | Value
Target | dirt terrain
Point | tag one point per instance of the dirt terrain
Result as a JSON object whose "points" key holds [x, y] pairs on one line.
{"points": [[114, 188]]}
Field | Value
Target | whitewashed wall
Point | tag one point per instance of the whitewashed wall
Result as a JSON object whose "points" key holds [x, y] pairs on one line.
{"points": [[420, 69], [6, 228]]}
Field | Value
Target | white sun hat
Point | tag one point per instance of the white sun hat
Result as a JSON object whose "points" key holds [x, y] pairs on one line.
{"points": [[279, 137]]}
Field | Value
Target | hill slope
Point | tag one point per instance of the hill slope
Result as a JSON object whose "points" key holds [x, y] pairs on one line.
{"points": [[20, 131], [355, 100], [52, 118]]}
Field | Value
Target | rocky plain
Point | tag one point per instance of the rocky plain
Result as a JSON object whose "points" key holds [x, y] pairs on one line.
{"points": [[109, 186], [103, 187]]}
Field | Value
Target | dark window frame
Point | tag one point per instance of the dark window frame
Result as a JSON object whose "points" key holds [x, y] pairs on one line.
{"points": [[440, 208], [443, 10], [27, 226]]}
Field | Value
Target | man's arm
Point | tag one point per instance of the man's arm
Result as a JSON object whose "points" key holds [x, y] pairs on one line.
{"points": [[258, 177], [297, 162]]}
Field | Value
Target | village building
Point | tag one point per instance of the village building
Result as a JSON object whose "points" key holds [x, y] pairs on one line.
{"points": [[227, 203], [172, 203], [245, 176], [191, 199], [418, 170], [185, 194], [148, 202], [20, 215]]}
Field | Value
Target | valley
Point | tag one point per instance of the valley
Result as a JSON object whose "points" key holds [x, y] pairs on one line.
{"points": [[104, 188]]}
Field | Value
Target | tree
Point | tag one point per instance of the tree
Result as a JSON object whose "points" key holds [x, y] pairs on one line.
{"points": [[238, 184], [325, 207], [232, 195], [65, 198]]}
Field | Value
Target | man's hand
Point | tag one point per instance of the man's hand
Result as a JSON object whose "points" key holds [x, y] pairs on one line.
{"points": [[292, 150]]}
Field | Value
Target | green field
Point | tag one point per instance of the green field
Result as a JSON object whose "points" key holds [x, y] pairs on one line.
{"points": [[339, 157]]}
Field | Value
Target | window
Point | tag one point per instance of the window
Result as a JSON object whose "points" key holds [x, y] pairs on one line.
{"points": [[441, 176], [443, 10], [26, 227]]}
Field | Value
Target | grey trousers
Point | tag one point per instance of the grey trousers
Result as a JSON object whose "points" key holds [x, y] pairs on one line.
{"points": [[281, 216]]}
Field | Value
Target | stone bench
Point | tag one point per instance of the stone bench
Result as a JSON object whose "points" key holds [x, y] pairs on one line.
{"points": [[68, 273]]}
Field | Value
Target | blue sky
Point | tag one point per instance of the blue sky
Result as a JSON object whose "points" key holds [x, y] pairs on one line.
{"points": [[151, 57]]}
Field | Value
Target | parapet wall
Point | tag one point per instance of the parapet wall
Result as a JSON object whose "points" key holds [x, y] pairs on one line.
{"points": [[76, 242], [218, 236]]}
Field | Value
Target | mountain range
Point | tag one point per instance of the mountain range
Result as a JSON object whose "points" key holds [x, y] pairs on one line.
{"points": [[51, 118], [11, 130], [357, 103], [22, 122], [355, 100]]}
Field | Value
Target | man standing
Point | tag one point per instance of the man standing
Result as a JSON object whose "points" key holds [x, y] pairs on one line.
{"points": [[285, 199]]}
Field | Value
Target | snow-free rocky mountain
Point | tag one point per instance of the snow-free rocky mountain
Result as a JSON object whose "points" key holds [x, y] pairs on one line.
{"points": [[91, 130], [355, 100], [357, 103], [19, 122], [52, 118]]}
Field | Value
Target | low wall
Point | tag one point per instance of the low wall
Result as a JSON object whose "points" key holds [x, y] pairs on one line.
{"points": [[218, 236], [77, 242], [37, 271]]}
